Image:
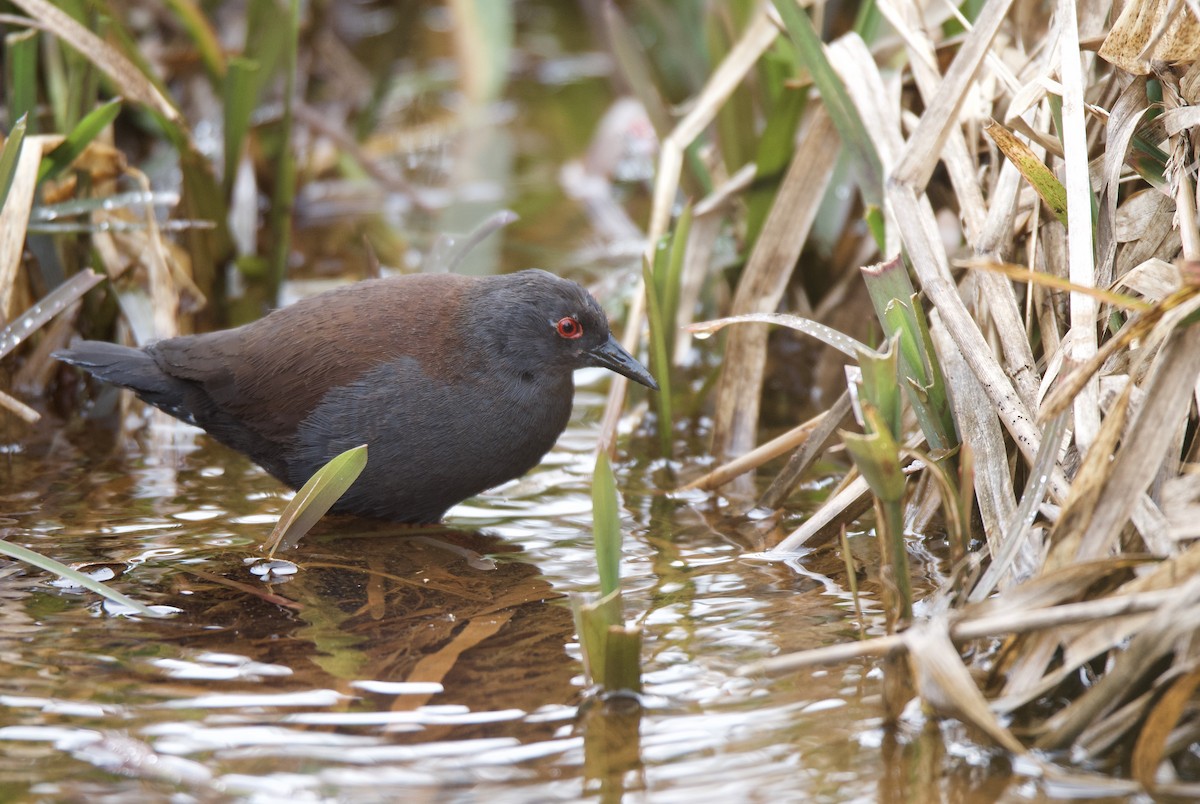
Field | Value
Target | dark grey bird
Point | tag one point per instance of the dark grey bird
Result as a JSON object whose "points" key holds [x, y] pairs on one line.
{"points": [[455, 383]]}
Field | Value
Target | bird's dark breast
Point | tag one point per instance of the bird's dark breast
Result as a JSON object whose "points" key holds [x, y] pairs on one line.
{"points": [[470, 435]]}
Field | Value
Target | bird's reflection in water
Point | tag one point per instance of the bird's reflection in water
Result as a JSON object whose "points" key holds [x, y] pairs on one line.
{"points": [[381, 602]]}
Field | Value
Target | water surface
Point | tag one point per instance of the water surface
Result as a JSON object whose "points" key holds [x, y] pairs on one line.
{"points": [[440, 663]]}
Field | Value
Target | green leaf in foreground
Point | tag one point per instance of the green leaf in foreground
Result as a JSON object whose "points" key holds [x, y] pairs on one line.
{"points": [[318, 495], [8, 157], [86, 581], [77, 141]]}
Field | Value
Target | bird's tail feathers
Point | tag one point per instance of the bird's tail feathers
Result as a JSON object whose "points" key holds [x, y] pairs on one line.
{"points": [[124, 366]]}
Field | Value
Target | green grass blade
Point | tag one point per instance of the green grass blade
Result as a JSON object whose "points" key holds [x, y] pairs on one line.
{"points": [[877, 457], [623, 659], [837, 100], [879, 387], [70, 148], [318, 495], [20, 67], [280, 219], [673, 278], [1040, 177], [735, 118], [634, 66], [877, 226], [75, 576], [774, 153], [593, 620], [9, 156], [606, 525], [240, 90], [660, 365], [198, 28], [898, 308], [868, 21]]}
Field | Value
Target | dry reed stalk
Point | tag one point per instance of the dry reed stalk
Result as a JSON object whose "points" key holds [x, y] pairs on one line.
{"points": [[14, 219], [780, 445], [765, 279]]}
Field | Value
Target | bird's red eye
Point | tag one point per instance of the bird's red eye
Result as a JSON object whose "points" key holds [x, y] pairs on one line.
{"points": [[569, 328]]}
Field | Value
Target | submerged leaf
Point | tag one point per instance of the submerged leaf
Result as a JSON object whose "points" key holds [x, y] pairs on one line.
{"points": [[86, 581]]}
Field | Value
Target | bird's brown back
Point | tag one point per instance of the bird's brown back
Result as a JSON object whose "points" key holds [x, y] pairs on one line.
{"points": [[270, 374]]}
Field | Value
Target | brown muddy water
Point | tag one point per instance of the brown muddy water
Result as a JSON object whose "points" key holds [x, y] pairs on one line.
{"points": [[439, 664]]}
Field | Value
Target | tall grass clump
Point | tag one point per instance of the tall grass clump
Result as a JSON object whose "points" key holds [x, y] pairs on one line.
{"points": [[1025, 222]]}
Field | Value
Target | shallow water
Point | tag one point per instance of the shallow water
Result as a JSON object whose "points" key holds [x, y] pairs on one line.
{"points": [[432, 663], [437, 664]]}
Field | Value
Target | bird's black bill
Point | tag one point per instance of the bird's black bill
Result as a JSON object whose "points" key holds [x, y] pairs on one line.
{"points": [[611, 355]]}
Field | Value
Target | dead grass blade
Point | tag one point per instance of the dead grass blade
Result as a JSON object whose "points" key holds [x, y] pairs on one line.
{"points": [[19, 408], [134, 85], [926, 142], [1012, 622], [1131, 671], [1162, 719], [1014, 553], [839, 511], [1081, 342], [14, 219], [1144, 447], [1020, 273], [765, 278], [981, 432], [809, 451], [1069, 532], [1123, 122], [781, 445]]}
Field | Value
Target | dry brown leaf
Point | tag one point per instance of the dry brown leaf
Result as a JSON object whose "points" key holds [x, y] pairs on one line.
{"points": [[1152, 739], [436, 666], [944, 682], [1155, 279], [1139, 37]]}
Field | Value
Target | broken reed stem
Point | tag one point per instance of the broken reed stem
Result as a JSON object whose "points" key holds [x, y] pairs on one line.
{"points": [[1020, 622], [781, 445], [19, 408]]}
